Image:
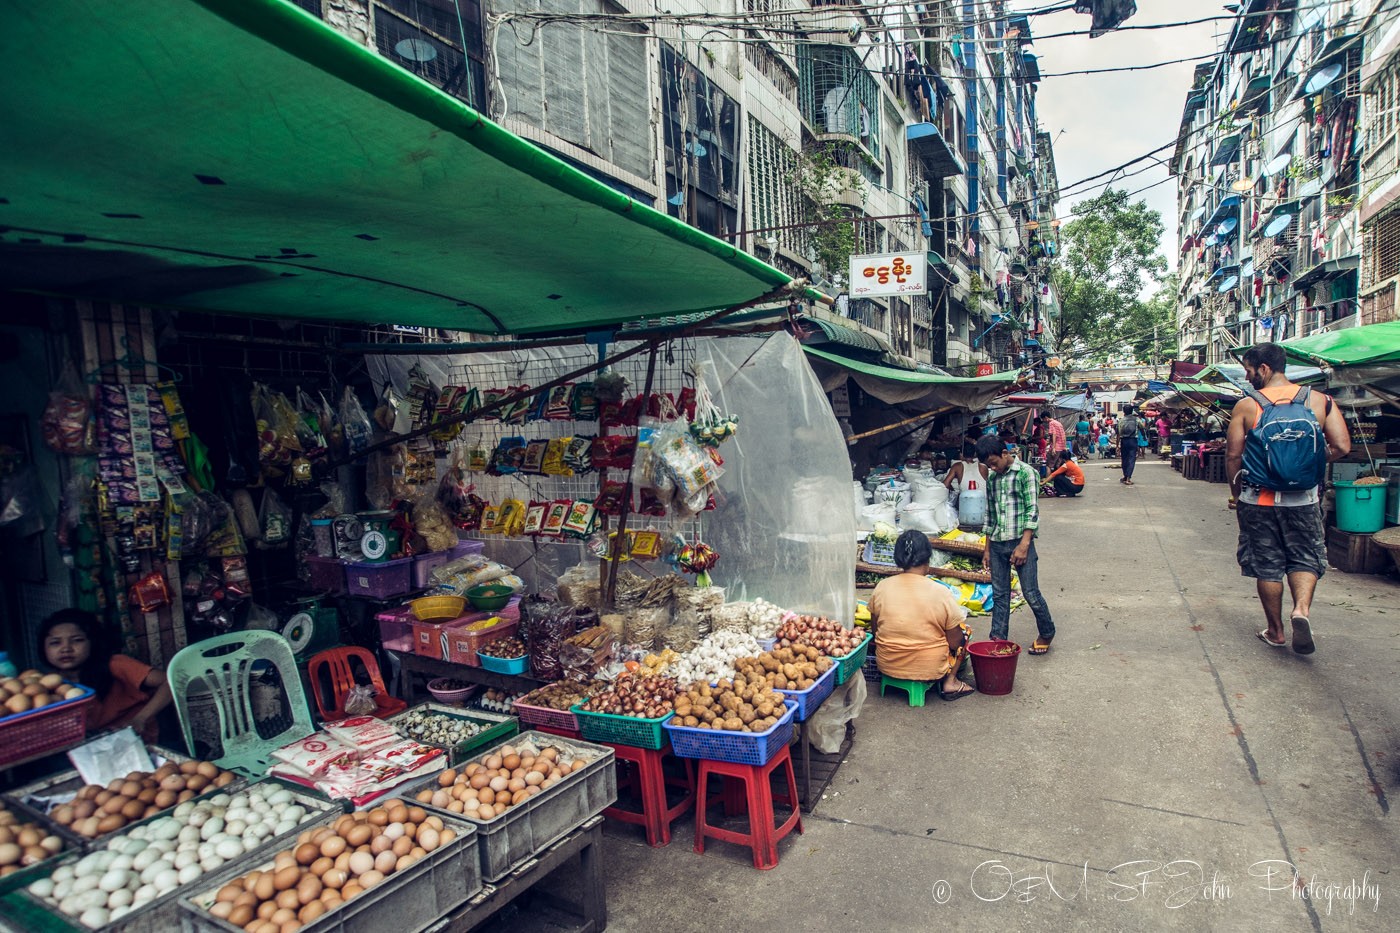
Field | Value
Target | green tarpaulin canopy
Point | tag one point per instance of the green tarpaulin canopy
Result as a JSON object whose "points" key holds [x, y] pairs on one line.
{"points": [[240, 156], [1351, 346], [909, 388]]}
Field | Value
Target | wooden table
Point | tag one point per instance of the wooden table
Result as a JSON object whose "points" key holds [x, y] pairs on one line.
{"points": [[412, 666], [586, 842]]}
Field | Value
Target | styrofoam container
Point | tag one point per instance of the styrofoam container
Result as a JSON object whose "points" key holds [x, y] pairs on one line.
{"points": [[510, 839], [414, 899]]}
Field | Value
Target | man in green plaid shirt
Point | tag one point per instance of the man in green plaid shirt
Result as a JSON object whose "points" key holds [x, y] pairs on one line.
{"points": [[1013, 517]]}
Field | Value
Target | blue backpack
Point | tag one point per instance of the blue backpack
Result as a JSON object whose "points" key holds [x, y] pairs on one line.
{"points": [[1285, 450]]}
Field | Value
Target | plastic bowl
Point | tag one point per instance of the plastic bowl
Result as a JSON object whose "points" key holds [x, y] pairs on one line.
{"points": [[489, 596], [444, 693], [429, 608]]}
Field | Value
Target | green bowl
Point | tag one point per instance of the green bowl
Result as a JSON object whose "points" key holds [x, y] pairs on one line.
{"points": [[489, 596]]}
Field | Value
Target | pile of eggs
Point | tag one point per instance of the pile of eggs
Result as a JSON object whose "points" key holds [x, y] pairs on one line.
{"points": [[96, 811], [157, 857], [34, 690], [329, 866], [503, 779], [23, 844]]}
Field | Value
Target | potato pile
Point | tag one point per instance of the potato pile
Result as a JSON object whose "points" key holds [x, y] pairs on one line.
{"points": [[329, 866], [794, 668], [746, 704], [23, 844], [828, 637], [647, 697], [502, 779], [559, 696], [34, 690], [508, 647], [96, 810]]}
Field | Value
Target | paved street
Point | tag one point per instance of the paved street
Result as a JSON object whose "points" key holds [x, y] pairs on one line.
{"points": [[1158, 770]]}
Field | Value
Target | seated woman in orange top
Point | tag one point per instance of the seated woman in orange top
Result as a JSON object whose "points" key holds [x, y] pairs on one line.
{"points": [[919, 629], [129, 693], [1068, 478]]}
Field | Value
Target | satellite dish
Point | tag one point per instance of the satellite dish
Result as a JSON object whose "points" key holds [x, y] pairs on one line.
{"points": [[1227, 283], [1322, 77], [299, 630], [1243, 184], [1227, 225], [1278, 163], [415, 50], [1278, 224]]}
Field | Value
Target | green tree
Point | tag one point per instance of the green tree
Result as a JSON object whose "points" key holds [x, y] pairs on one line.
{"points": [[1110, 256]]}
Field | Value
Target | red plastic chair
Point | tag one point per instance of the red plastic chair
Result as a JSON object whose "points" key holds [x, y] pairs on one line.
{"points": [[342, 678]]}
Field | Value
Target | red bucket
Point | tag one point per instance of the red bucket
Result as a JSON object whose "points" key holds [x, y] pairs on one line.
{"points": [[994, 665]]}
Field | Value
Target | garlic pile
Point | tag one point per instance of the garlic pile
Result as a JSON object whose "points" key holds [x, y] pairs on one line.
{"points": [[155, 858], [764, 618], [437, 728], [713, 658]]}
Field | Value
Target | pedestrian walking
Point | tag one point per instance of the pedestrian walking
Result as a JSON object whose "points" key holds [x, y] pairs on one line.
{"points": [[1130, 440], [1081, 435], [1013, 520], [1055, 432], [1280, 440], [1095, 429]]}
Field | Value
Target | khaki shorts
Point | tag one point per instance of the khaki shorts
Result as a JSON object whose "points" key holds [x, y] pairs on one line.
{"points": [[1278, 540]]}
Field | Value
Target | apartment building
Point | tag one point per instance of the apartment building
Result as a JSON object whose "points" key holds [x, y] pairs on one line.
{"points": [[1284, 161], [788, 128]]}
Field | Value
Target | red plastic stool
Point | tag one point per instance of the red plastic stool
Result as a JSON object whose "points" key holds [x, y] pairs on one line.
{"points": [[762, 837], [555, 730], [649, 781]]}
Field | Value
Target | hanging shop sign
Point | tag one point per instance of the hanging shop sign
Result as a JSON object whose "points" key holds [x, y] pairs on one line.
{"points": [[878, 274]]}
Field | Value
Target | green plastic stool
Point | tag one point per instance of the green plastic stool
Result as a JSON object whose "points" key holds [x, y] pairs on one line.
{"points": [[915, 688]]}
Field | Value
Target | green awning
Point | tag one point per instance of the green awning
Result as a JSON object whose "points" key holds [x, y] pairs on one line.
{"points": [[240, 156], [911, 389], [1351, 346], [913, 376], [849, 336]]}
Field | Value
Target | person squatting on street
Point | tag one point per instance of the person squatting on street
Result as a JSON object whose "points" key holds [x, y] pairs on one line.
{"points": [[1280, 440], [1013, 519], [918, 626], [1067, 478]]}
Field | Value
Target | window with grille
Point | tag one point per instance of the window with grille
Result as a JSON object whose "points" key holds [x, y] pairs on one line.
{"points": [[438, 40], [701, 128], [311, 6], [837, 95], [1385, 247], [773, 197]]}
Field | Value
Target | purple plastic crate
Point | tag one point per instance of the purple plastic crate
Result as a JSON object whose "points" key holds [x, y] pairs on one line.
{"points": [[744, 748], [327, 575], [808, 700], [379, 581], [425, 564]]}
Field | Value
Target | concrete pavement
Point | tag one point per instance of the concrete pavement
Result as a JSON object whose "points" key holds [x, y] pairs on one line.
{"points": [[1160, 769]]}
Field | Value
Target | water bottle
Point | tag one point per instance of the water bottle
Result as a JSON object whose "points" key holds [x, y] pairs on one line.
{"points": [[7, 667], [972, 502]]}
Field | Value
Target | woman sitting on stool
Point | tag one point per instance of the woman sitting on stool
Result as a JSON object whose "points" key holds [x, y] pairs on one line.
{"points": [[918, 626]]}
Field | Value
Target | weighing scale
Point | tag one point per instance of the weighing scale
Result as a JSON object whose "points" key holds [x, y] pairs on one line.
{"points": [[311, 628]]}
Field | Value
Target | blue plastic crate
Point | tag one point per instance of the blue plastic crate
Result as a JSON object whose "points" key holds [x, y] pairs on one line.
{"points": [[744, 748], [808, 700], [504, 665]]}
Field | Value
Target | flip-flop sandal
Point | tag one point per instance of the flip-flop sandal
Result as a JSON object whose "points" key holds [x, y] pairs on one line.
{"points": [[1302, 636], [1039, 647], [957, 694], [1264, 637]]}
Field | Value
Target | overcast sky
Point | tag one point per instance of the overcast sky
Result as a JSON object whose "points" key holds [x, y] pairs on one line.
{"points": [[1108, 119]]}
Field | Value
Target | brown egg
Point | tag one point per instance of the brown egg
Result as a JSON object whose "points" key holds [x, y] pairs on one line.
{"points": [[208, 769], [26, 837], [184, 795], [398, 814], [148, 794], [308, 889], [164, 771], [320, 835], [428, 839], [502, 797], [33, 690], [447, 777], [241, 915], [380, 843], [404, 862], [282, 859], [485, 812], [266, 887], [110, 823], [42, 699], [130, 789], [359, 834], [510, 762], [266, 909], [189, 767], [417, 814], [331, 899], [247, 897], [493, 762], [221, 909], [175, 782], [479, 780], [321, 866], [165, 799], [134, 810], [342, 861], [311, 911], [402, 846], [196, 782], [379, 816], [286, 878], [335, 878], [228, 892], [288, 898], [224, 779], [350, 889], [332, 847], [384, 862], [306, 853], [282, 915], [370, 878], [417, 852], [434, 822]]}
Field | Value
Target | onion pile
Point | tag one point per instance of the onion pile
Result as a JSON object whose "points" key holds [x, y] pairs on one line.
{"points": [[502, 779], [157, 857], [23, 844], [96, 810], [830, 638], [647, 697]]}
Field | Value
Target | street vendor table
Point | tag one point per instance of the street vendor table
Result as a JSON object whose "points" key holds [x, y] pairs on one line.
{"points": [[416, 665], [586, 842]]}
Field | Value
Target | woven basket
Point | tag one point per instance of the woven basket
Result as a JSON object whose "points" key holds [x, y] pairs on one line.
{"points": [[956, 547], [980, 576], [1389, 538]]}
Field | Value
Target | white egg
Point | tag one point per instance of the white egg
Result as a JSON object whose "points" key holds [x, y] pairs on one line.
{"points": [[393, 830], [120, 862], [147, 892], [190, 873], [88, 864], [135, 846], [95, 917], [138, 832], [220, 800], [163, 830], [294, 813], [213, 828], [149, 873], [63, 873], [228, 849], [167, 880], [212, 863], [235, 828], [283, 827], [62, 890], [257, 832], [183, 810], [86, 882], [69, 906], [199, 817], [187, 858], [119, 912], [280, 797], [189, 834], [113, 879], [44, 887], [240, 814], [144, 859], [120, 898]]}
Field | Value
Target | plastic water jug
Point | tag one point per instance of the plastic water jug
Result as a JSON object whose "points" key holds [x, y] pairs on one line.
{"points": [[7, 667], [972, 503]]}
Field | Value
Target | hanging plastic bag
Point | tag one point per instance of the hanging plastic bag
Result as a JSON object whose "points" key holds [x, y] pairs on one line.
{"points": [[676, 454], [275, 520], [359, 701], [66, 424]]}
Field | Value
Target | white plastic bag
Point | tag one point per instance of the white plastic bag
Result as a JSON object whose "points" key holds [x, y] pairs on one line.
{"points": [[876, 512], [920, 518], [827, 726]]}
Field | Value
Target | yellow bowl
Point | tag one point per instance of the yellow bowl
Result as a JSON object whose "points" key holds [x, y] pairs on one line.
{"points": [[429, 608]]}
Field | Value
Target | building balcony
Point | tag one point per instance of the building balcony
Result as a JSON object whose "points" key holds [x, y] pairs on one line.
{"points": [[929, 146]]}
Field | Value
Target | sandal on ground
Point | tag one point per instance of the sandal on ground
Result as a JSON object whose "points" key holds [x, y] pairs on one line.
{"points": [[949, 696], [1264, 637], [1302, 635], [1039, 647]]}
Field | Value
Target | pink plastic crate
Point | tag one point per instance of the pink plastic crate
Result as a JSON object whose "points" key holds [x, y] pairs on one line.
{"points": [[379, 581], [396, 629], [461, 645], [327, 575]]}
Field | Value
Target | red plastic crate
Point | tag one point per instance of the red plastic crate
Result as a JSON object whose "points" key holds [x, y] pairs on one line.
{"points": [[24, 736]]}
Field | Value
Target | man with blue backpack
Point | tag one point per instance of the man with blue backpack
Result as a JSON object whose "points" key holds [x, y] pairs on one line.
{"points": [[1280, 440]]}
